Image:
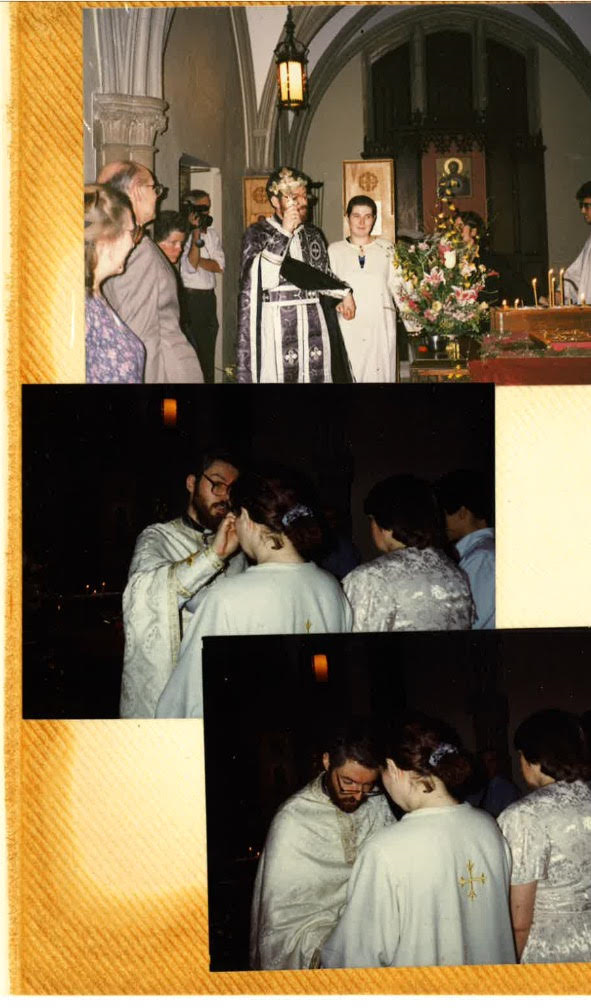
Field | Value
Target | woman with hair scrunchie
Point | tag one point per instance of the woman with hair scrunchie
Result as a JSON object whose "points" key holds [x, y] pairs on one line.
{"points": [[549, 833], [433, 888], [113, 352], [283, 592]]}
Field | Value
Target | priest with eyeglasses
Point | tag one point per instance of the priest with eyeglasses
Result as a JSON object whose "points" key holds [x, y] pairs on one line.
{"points": [[173, 563], [312, 843]]}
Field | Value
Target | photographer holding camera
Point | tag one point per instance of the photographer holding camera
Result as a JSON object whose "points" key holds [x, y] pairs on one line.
{"points": [[202, 258]]}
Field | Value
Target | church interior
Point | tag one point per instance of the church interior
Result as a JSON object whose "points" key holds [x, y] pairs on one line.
{"points": [[479, 682], [78, 537], [192, 93]]}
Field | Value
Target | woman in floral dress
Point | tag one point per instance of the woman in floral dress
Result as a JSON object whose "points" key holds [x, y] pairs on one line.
{"points": [[549, 833], [113, 352], [414, 585]]}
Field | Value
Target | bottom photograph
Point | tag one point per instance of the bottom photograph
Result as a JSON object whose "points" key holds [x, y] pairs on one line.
{"points": [[410, 799]]}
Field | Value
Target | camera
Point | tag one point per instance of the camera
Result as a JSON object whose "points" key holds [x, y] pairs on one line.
{"points": [[203, 218]]}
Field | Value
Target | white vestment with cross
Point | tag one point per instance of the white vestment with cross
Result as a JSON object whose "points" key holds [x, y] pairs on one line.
{"points": [[431, 891]]}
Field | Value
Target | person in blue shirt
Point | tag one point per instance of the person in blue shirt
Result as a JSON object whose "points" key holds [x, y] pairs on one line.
{"points": [[467, 503]]}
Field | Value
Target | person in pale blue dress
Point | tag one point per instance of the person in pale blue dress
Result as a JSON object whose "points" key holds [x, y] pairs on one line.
{"points": [[549, 833], [467, 503], [415, 585], [113, 352]]}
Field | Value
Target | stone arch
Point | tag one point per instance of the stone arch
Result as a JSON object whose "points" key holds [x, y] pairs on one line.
{"points": [[399, 29], [262, 123]]}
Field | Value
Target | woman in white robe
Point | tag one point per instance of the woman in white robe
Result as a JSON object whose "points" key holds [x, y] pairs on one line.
{"points": [[366, 264], [283, 592], [432, 890]]}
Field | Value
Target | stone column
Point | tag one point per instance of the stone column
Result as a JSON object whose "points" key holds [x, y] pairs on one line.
{"points": [[125, 127]]}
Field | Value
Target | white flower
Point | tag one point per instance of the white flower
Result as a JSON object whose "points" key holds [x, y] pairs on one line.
{"points": [[449, 259]]}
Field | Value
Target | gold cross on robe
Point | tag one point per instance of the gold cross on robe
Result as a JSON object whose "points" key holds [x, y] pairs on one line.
{"points": [[472, 894]]}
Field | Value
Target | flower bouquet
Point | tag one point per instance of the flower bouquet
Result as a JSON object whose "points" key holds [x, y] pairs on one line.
{"points": [[439, 284]]}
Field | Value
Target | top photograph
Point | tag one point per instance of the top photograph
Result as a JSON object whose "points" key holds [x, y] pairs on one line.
{"points": [[368, 193]]}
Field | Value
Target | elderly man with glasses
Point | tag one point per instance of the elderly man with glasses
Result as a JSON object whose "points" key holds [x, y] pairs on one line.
{"points": [[577, 278], [172, 563], [312, 844], [146, 295]]}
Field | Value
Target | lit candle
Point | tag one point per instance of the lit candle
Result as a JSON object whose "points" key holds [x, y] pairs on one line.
{"points": [[562, 286], [534, 284], [516, 303], [504, 305], [582, 299], [551, 288], [320, 666]]}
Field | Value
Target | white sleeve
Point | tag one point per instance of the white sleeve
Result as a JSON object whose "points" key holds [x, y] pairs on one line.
{"points": [[368, 931], [213, 247], [182, 697]]}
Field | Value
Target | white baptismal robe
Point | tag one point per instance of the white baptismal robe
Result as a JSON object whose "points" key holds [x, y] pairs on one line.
{"points": [[370, 337], [432, 891], [302, 876], [164, 574], [577, 278], [270, 598]]}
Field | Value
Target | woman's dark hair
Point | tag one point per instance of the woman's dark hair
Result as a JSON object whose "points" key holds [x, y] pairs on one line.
{"points": [[474, 220], [284, 502], [168, 221], [407, 507], [105, 219], [584, 192], [556, 740], [431, 748], [361, 201]]}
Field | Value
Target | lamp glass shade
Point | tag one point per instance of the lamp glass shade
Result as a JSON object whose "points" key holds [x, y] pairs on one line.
{"points": [[291, 83]]}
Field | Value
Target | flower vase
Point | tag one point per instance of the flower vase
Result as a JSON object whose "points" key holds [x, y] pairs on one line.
{"points": [[437, 345]]}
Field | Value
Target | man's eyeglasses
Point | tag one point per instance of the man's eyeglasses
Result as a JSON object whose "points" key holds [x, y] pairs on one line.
{"points": [[217, 487], [160, 190], [585, 203], [347, 786]]}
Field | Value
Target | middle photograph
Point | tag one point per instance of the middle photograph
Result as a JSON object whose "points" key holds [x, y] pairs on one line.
{"points": [[187, 513]]}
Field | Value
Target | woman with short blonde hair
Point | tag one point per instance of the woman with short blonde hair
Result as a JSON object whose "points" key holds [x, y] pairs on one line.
{"points": [[113, 352]]}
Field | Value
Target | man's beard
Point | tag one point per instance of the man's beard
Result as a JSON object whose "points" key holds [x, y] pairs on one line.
{"points": [[210, 516], [346, 803]]}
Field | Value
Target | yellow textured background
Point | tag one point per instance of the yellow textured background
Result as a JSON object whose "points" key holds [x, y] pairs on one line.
{"points": [[106, 828]]}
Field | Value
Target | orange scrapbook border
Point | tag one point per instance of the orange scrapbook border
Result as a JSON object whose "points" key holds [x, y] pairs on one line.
{"points": [[106, 822]]}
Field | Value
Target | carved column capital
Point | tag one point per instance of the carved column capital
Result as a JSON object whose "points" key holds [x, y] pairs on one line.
{"points": [[126, 126]]}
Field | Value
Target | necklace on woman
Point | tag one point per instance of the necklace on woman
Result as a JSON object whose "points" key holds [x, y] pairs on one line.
{"points": [[360, 253]]}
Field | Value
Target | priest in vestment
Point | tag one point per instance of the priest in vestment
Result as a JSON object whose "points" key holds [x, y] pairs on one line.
{"points": [[287, 329], [173, 562], [577, 278], [312, 844]]}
